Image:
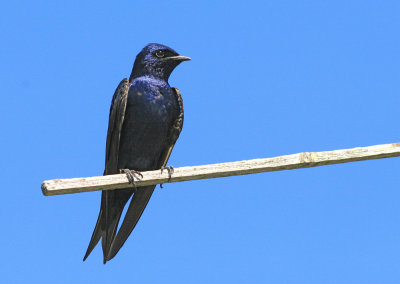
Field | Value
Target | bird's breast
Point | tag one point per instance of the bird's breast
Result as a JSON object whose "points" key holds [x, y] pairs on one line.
{"points": [[150, 113], [155, 105]]}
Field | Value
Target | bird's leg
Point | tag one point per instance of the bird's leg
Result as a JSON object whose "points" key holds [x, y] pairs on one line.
{"points": [[170, 170], [131, 175]]}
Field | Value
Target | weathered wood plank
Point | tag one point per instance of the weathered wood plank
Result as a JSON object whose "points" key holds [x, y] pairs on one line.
{"points": [[288, 162]]}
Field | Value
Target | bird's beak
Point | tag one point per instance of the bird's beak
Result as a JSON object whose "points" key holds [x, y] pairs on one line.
{"points": [[179, 58]]}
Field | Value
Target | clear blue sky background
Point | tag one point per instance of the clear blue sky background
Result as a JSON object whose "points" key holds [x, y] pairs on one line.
{"points": [[266, 79]]}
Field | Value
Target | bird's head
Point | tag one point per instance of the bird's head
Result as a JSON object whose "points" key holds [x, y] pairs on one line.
{"points": [[156, 60]]}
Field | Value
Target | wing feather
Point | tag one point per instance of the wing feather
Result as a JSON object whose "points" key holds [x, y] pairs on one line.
{"points": [[174, 131], [116, 120], [110, 208]]}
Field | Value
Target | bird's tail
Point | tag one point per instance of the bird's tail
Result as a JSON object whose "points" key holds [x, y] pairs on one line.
{"points": [[136, 207], [112, 206]]}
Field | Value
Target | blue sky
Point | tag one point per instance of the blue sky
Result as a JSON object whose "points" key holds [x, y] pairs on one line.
{"points": [[266, 79]]}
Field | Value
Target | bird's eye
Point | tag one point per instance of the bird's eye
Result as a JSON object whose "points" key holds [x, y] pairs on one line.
{"points": [[160, 53]]}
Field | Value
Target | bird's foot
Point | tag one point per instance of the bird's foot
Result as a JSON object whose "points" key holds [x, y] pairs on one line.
{"points": [[132, 175], [170, 170]]}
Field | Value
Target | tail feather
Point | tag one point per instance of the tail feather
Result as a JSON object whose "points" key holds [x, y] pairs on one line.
{"points": [[136, 207], [95, 236], [112, 206]]}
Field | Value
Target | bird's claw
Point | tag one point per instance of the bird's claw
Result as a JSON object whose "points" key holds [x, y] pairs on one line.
{"points": [[132, 175], [170, 170]]}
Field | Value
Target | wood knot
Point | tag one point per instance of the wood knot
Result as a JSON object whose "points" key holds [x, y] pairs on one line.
{"points": [[306, 157]]}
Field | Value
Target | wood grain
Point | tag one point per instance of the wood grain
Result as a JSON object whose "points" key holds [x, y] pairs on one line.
{"points": [[287, 162]]}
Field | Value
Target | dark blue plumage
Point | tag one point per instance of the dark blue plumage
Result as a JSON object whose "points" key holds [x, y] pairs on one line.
{"points": [[146, 118]]}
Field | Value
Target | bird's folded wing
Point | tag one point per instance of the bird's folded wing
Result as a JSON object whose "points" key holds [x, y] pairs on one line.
{"points": [[116, 119], [174, 131], [107, 221]]}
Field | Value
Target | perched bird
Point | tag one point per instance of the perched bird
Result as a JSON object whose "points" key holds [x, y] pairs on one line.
{"points": [[146, 118]]}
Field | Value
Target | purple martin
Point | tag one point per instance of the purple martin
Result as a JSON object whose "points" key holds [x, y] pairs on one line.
{"points": [[146, 118]]}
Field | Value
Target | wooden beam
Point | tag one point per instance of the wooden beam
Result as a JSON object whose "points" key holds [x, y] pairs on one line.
{"points": [[288, 162]]}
